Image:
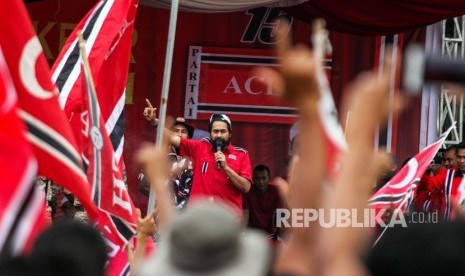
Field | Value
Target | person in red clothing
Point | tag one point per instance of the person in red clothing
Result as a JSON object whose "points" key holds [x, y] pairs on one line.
{"points": [[261, 202], [221, 170], [450, 161], [445, 187]]}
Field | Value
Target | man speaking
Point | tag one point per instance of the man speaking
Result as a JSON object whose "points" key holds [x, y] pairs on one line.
{"points": [[221, 170]]}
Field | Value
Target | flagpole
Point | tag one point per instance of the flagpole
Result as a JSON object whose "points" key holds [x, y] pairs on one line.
{"points": [[86, 65], [387, 226], [165, 88], [85, 61]]}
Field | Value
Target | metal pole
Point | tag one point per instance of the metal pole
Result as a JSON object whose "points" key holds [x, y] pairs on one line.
{"points": [[392, 83], [165, 88]]}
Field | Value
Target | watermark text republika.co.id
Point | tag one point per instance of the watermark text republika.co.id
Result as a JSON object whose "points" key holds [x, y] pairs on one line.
{"points": [[341, 217]]}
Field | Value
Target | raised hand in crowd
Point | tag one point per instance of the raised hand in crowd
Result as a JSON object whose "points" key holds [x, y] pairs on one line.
{"points": [[312, 250], [146, 226], [150, 113], [154, 163], [146, 229], [296, 81], [368, 99]]}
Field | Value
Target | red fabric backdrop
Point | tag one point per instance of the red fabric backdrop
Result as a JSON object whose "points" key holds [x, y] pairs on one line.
{"points": [[378, 17], [267, 142]]}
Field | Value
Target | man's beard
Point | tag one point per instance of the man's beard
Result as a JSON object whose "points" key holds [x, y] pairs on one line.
{"points": [[220, 141]]}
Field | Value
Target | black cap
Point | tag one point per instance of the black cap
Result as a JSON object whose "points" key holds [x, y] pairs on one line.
{"points": [[182, 121]]}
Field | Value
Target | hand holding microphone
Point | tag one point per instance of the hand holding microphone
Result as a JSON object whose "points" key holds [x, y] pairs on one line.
{"points": [[219, 156]]}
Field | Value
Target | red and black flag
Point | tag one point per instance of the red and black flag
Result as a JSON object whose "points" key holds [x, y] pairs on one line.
{"points": [[399, 192], [117, 221], [107, 29], [48, 129], [22, 213]]}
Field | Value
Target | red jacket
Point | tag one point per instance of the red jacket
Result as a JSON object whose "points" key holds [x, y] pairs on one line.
{"points": [[211, 182], [435, 193]]}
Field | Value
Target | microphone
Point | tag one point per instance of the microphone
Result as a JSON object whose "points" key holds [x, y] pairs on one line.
{"points": [[218, 163], [420, 69], [218, 144]]}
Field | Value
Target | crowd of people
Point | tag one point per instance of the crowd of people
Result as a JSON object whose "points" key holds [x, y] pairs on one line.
{"points": [[217, 215]]}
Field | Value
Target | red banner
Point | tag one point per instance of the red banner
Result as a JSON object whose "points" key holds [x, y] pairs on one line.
{"points": [[219, 80]]}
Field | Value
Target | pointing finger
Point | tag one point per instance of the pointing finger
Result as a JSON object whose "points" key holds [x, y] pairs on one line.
{"points": [[148, 103]]}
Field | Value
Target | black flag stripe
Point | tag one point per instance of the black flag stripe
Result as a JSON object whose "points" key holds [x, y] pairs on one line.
{"points": [[49, 139], [73, 58]]}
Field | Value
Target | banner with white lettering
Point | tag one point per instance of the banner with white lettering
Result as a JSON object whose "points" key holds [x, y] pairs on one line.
{"points": [[219, 80]]}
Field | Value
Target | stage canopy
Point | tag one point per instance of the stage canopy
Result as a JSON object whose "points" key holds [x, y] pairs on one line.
{"points": [[375, 17]]}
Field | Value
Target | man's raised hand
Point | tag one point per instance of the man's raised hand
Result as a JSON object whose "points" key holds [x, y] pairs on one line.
{"points": [[149, 113], [295, 79]]}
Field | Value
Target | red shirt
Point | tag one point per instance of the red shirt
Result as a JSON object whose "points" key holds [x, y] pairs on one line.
{"points": [[262, 208], [443, 188], [211, 182]]}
